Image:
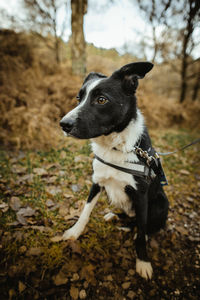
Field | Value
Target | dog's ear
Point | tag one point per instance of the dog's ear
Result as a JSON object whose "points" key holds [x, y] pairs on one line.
{"points": [[94, 75], [129, 75]]}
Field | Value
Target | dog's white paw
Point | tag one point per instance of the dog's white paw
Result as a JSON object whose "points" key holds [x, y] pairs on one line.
{"points": [[144, 269], [71, 234], [110, 216]]}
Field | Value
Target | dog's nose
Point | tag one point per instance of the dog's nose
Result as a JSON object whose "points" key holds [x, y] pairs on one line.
{"points": [[67, 124]]}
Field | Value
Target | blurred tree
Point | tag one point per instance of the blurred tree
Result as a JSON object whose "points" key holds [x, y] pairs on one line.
{"points": [[79, 9], [178, 22], [43, 19]]}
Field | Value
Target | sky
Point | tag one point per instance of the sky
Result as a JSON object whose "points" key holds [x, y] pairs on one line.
{"points": [[107, 24]]}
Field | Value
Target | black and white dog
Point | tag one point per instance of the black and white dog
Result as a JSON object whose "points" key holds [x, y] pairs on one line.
{"points": [[107, 114]]}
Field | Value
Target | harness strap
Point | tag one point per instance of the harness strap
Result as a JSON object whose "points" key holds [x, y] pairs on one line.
{"points": [[144, 171]]}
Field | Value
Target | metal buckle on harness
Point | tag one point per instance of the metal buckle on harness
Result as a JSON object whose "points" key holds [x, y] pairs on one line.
{"points": [[145, 155]]}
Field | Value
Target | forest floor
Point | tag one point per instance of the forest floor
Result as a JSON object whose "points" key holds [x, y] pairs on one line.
{"points": [[42, 194]]}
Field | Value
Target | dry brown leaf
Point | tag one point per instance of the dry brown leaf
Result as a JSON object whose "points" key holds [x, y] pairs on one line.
{"points": [[63, 154], [75, 246], [56, 238], [15, 203], [74, 292], [53, 190], [21, 219], [60, 279], [40, 171], [184, 172], [27, 177], [87, 272], [18, 169], [66, 195], [4, 207], [21, 287], [27, 211], [35, 251], [49, 203]]}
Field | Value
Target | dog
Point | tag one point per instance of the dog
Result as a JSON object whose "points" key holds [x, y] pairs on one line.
{"points": [[108, 115]]}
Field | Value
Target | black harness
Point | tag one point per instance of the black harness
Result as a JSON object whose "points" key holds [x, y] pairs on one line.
{"points": [[149, 163], [148, 167]]}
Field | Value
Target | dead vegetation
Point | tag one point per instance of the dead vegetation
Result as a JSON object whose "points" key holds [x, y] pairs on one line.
{"points": [[35, 93], [42, 194]]}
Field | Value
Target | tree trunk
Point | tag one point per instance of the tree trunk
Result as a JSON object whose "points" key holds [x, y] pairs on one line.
{"points": [[196, 87], [79, 8], [183, 78], [155, 50]]}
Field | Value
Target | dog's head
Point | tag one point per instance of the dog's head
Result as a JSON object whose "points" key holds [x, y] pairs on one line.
{"points": [[105, 104]]}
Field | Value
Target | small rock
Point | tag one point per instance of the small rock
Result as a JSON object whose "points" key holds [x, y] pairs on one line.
{"points": [[82, 294], [126, 285]]}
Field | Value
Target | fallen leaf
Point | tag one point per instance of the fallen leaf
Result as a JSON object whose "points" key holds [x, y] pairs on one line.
{"points": [[49, 203], [4, 207], [27, 211], [15, 203], [35, 251], [56, 238], [87, 272], [21, 287], [184, 172], [51, 179], [18, 169], [60, 279], [52, 190], [75, 246], [74, 292], [27, 177], [63, 154], [68, 195], [40, 171]]}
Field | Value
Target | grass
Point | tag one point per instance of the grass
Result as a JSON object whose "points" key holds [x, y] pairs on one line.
{"points": [[62, 168]]}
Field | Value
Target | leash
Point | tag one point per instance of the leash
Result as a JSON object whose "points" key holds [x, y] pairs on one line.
{"points": [[179, 149], [149, 166]]}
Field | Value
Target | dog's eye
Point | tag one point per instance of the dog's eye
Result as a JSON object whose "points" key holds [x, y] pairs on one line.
{"points": [[102, 100]]}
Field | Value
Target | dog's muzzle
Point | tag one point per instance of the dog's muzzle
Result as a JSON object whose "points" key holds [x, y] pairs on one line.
{"points": [[67, 125]]}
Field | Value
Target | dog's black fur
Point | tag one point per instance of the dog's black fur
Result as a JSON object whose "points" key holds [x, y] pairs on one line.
{"points": [[95, 119]]}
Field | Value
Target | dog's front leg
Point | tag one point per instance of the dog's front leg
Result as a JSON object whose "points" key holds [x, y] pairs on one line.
{"points": [[140, 199], [75, 231]]}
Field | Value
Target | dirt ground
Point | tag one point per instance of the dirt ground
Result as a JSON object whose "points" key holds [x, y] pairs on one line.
{"points": [[42, 194]]}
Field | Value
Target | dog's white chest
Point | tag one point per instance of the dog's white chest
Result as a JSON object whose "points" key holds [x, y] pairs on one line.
{"points": [[114, 182]]}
